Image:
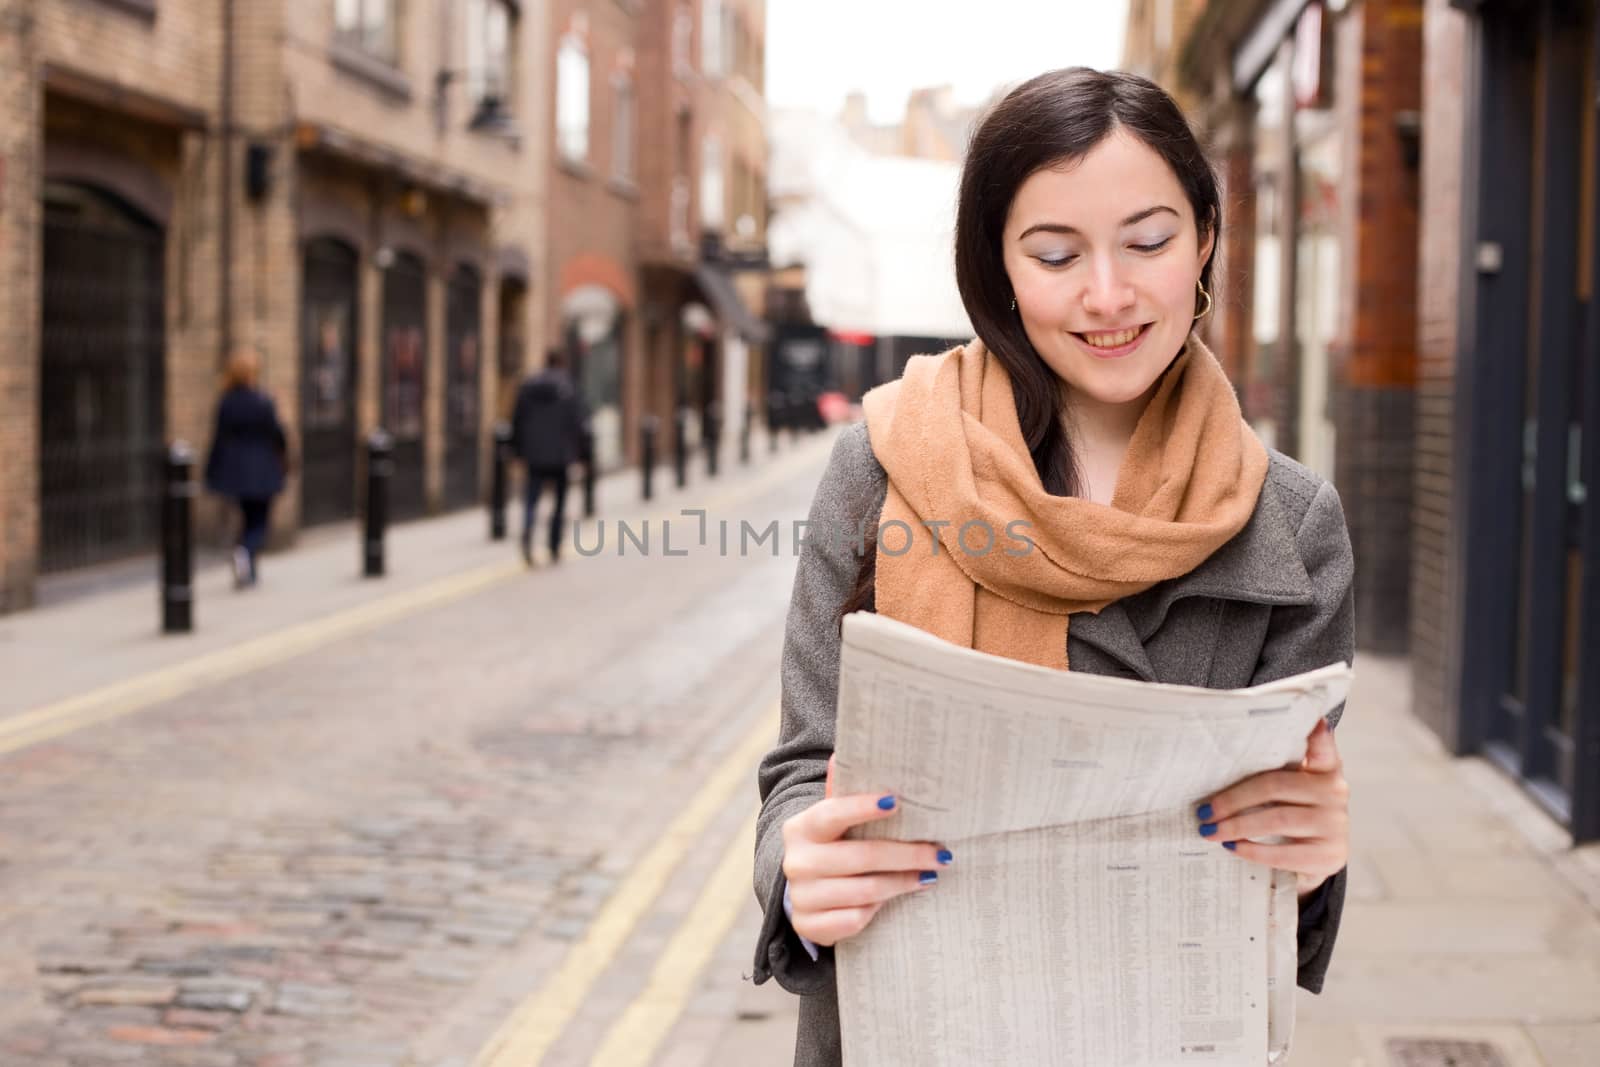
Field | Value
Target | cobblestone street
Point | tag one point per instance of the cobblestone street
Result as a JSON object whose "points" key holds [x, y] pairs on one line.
{"points": [[371, 851], [471, 816]]}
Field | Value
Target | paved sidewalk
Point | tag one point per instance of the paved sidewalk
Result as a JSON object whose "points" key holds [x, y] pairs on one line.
{"points": [[82, 643], [1469, 920]]}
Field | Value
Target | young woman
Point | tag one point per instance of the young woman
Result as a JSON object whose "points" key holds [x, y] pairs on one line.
{"points": [[1170, 544], [248, 460]]}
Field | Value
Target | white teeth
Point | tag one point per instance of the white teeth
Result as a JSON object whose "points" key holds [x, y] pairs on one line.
{"points": [[1111, 340]]}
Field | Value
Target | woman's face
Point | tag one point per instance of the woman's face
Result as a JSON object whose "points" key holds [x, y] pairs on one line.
{"points": [[1103, 256]]}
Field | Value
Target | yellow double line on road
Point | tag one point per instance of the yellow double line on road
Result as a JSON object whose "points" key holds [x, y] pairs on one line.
{"points": [[135, 694], [120, 699], [636, 1035], [538, 1022]]}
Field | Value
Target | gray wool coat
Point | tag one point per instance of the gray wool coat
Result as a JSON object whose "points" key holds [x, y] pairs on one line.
{"points": [[1274, 601]]}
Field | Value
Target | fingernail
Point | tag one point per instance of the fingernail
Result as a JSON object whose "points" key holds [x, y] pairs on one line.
{"points": [[945, 856], [1207, 829], [1204, 813], [886, 803], [928, 877], [1230, 846]]}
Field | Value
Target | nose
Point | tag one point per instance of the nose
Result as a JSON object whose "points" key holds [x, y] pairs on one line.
{"points": [[1107, 292]]}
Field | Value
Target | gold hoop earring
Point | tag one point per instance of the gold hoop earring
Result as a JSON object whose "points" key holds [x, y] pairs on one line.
{"points": [[1201, 286]]}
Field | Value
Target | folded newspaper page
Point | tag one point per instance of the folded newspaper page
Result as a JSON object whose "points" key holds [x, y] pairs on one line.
{"points": [[1084, 921]]}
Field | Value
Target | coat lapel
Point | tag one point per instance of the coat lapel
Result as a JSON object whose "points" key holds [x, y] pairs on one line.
{"points": [[1112, 632], [1260, 565]]}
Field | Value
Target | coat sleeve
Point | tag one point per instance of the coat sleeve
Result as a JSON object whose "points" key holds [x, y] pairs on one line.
{"points": [[792, 774], [213, 472], [1302, 638]]}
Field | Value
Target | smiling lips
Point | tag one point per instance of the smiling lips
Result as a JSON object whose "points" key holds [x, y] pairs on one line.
{"points": [[1114, 342]]}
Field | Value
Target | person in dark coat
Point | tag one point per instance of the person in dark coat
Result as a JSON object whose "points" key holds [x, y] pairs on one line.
{"points": [[248, 460], [548, 428]]}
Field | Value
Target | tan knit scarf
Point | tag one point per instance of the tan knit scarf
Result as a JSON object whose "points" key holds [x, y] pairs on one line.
{"points": [[947, 435]]}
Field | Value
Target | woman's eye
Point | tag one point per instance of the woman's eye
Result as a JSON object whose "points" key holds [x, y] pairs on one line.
{"points": [[1061, 261], [1158, 246]]}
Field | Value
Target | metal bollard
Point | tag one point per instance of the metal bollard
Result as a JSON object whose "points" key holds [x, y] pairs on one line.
{"points": [[744, 434], [588, 472], [497, 483], [774, 419], [648, 429], [380, 468], [177, 542], [713, 437], [680, 445]]}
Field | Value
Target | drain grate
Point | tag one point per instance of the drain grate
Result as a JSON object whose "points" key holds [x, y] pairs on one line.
{"points": [[1430, 1052]]}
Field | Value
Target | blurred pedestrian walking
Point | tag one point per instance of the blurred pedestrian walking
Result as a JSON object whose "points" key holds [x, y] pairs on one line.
{"points": [[547, 433], [249, 458]]}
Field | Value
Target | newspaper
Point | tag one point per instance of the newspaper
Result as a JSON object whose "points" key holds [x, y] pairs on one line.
{"points": [[1084, 920]]}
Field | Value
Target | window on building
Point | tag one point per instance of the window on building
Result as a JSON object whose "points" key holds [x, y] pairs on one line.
{"points": [[622, 126], [736, 207], [572, 99], [712, 192], [370, 25], [490, 31], [741, 45], [682, 41], [680, 215], [711, 40], [685, 131]]}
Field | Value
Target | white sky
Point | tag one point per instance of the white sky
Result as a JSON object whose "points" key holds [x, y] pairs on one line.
{"points": [[820, 50]]}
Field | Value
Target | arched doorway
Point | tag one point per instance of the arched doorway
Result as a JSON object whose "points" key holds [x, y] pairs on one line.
{"points": [[102, 378], [463, 388], [328, 381], [405, 380]]}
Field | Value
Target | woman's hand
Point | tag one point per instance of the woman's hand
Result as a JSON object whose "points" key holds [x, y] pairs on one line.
{"points": [[837, 886], [1310, 806]]}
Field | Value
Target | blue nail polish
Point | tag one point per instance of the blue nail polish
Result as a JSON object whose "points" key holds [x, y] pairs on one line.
{"points": [[1231, 846], [945, 856], [1204, 813], [927, 877], [1207, 829], [886, 803]]}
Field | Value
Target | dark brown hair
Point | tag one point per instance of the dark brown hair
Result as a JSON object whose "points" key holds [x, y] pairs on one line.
{"points": [[1051, 120]]}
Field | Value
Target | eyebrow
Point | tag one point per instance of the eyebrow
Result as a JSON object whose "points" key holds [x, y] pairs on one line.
{"points": [[1061, 227]]}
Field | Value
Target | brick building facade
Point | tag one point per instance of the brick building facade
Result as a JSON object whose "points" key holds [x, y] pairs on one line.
{"points": [[1433, 166], [702, 227], [109, 245], [181, 187], [395, 202], [593, 301], [1312, 119], [1506, 596], [20, 105]]}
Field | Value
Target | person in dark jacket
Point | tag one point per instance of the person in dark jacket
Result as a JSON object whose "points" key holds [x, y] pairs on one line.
{"points": [[548, 428], [249, 458]]}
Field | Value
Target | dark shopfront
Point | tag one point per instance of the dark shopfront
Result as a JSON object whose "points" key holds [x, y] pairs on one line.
{"points": [[1527, 412]]}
